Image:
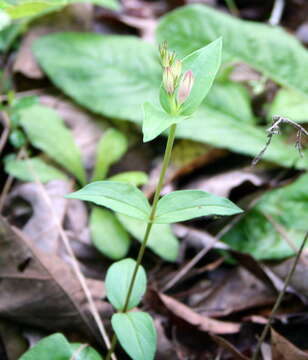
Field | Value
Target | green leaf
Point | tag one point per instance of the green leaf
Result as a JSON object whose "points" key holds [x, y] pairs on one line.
{"points": [[108, 235], [291, 104], [161, 239], [222, 129], [256, 235], [80, 64], [268, 49], [136, 178], [136, 333], [26, 8], [156, 121], [32, 169], [111, 147], [82, 352], [118, 196], [204, 64], [117, 283], [189, 204], [47, 132]]}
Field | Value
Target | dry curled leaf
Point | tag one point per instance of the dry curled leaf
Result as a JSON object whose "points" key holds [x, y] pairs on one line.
{"points": [[41, 290], [202, 323], [283, 349]]}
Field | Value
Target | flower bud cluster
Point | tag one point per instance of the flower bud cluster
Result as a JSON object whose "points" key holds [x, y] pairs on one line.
{"points": [[172, 76]]}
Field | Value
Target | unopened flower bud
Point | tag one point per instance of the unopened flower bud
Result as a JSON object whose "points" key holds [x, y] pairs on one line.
{"points": [[185, 86], [163, 47], [168, 80], [176, 70]]}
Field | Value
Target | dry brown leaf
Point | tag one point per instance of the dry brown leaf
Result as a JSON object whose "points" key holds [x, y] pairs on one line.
{"points": [[229, 347], [13, 342], [237, 291], [283, 349], [41, 290], [202, 323]]}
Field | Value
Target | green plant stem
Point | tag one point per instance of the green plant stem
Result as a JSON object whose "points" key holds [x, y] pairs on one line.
{"points": [[232, 7], [160, 184], [279, 300]]}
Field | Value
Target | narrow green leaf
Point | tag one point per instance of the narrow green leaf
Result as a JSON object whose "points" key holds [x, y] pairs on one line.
{"points": [[118, 196], [108, 235], [53, 347], [117, 283], [32, 169], [136, 178], [256, 235], [268, 49], [136, 333], [204, 64], [290, 104], [189, 204], [47, 132], [111, 147], [161, 239], [156, 121]]}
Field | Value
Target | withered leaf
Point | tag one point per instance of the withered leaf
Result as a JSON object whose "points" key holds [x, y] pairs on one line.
{"points": [[202, 323], [41, 290], [283, 349]]}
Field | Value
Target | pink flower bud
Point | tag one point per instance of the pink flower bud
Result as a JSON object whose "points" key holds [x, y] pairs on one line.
{"points": [[168, 80], [185, 86]]}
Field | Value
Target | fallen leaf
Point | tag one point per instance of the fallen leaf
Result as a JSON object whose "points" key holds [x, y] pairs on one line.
{"points": [[41, 227], [202, 323], [229, 347], [283, 349], [13, 342], [41, 290], [238, 291]]}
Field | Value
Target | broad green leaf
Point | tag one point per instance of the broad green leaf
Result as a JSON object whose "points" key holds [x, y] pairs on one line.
{"points": [[221, 121], [27, 8], [268, 49], [118, 196], [256, 235], [93, 70], [189, 204], [47, 132], [290, 104], [108, 235], [118, 280], [111, 147], [32, 169], [214, 126], [53, 347], [137, 178], [161, 239], [204, 64], [81, 352], [136, 333], [156, 121]]}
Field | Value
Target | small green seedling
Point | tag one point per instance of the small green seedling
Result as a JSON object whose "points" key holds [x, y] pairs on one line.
{"points": [[185, 83]]}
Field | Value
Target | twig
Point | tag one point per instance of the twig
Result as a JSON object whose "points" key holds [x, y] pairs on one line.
{"points": [[275, 129], [279, 300], [74, 261], [277, 12], [5, 132]]}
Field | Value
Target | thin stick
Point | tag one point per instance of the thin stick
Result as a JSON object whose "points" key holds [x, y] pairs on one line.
{"points": [[277, 12], [6, 130], [74, 261], [279, 300], [166, 161]]}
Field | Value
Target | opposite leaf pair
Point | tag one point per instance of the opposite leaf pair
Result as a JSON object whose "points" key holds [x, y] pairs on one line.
{"points": [[177, 206]]}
